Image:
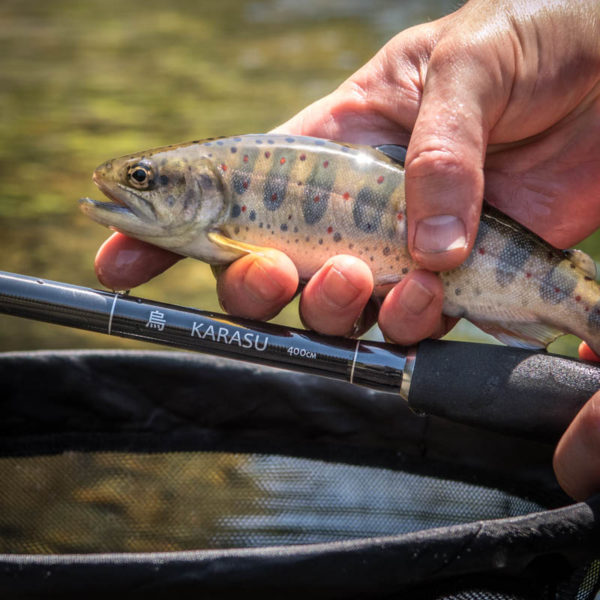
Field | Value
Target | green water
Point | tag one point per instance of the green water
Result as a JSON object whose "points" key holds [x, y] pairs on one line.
{"points": [[81, 82]]}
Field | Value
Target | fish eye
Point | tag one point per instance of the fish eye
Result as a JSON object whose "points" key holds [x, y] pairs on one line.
{"points": [[140, 176]]}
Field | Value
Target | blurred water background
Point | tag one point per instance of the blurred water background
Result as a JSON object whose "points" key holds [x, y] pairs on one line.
{"points": [[81, 82]]}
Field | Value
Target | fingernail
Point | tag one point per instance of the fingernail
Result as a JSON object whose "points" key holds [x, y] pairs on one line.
{"points": [[440, 234], [338, 289], [415, 297], [223, 304], [357, 327], [259, 283]]}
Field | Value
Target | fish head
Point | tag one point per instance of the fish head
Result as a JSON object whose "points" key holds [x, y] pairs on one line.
{"points": [[166, 198]]}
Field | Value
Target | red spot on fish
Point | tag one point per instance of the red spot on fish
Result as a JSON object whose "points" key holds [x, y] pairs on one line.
{"points": [[481, 250], [244, 208], [587, 308], [245, 185], [245, 158], [577, 298], [528, 275], [380, 179], [224, 167], [282, 161], [325, 164], [303, 157], [400, 216], [316, 198], [274, 196], [329, 229], [267, 154], [346, 196], [557, 290]]}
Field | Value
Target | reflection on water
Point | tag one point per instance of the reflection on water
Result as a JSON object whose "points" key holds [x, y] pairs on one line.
{"points": [[111, 502]]}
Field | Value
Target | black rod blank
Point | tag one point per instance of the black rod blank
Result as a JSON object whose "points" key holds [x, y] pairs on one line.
{"points": [[375, 365], [510, 390]]}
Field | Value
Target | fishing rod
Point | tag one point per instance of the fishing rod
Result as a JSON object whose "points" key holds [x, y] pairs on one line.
{"points": [[511, 390]]}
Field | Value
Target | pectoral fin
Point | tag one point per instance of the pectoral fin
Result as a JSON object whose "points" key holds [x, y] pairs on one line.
{"points": [[234, 246]]}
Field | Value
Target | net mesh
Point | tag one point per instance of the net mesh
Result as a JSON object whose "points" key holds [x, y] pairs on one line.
{"points": [[125, 502], [251, 481]]}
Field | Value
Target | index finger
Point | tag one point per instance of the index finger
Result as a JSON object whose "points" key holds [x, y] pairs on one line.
{"points": [[123, 262]]}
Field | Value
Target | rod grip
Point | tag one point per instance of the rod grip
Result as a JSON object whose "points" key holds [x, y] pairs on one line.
{"points": [[510, 390]]}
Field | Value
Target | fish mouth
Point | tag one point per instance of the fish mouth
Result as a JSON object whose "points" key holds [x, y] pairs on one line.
{"points": [[115, 204], [135, 217], [89, 204], [105, 189]]}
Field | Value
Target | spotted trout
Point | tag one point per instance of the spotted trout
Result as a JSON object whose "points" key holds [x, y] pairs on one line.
{"points": [[216, 200]]}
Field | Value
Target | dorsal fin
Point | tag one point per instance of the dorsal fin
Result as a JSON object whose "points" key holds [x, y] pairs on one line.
{"points": [[584, 261], [394, 151]]}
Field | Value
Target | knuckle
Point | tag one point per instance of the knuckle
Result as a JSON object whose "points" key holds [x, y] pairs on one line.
{"points": [[454, 47], [436, 156]]}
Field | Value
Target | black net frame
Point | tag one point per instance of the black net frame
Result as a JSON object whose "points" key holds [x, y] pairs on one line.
{"points": [[153, 403]]}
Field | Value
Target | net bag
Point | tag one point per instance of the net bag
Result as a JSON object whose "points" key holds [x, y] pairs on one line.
{"points": [[172, 475]]}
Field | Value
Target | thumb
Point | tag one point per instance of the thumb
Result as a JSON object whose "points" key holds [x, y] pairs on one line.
{"points": [[577, 456], [446, 153]]}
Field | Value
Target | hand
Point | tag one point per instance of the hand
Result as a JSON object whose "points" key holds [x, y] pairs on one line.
{"points": [[518, 79], [577, 456]]}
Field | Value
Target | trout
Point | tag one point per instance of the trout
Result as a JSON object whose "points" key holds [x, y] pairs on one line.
{"points": [[218, 199]]}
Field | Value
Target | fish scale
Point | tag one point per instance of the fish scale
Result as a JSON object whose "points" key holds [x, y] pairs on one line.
{"points": [[310, 200], [218, 199]]}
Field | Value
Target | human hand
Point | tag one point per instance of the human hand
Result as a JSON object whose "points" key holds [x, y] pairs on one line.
{"points": [[520, 79], [577, 456]]}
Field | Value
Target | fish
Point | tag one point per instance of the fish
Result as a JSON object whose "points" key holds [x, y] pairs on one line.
{"points": [[221, 198]]}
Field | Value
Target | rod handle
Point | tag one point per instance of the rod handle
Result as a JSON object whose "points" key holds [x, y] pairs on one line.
{"points": [[509, 389]]}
